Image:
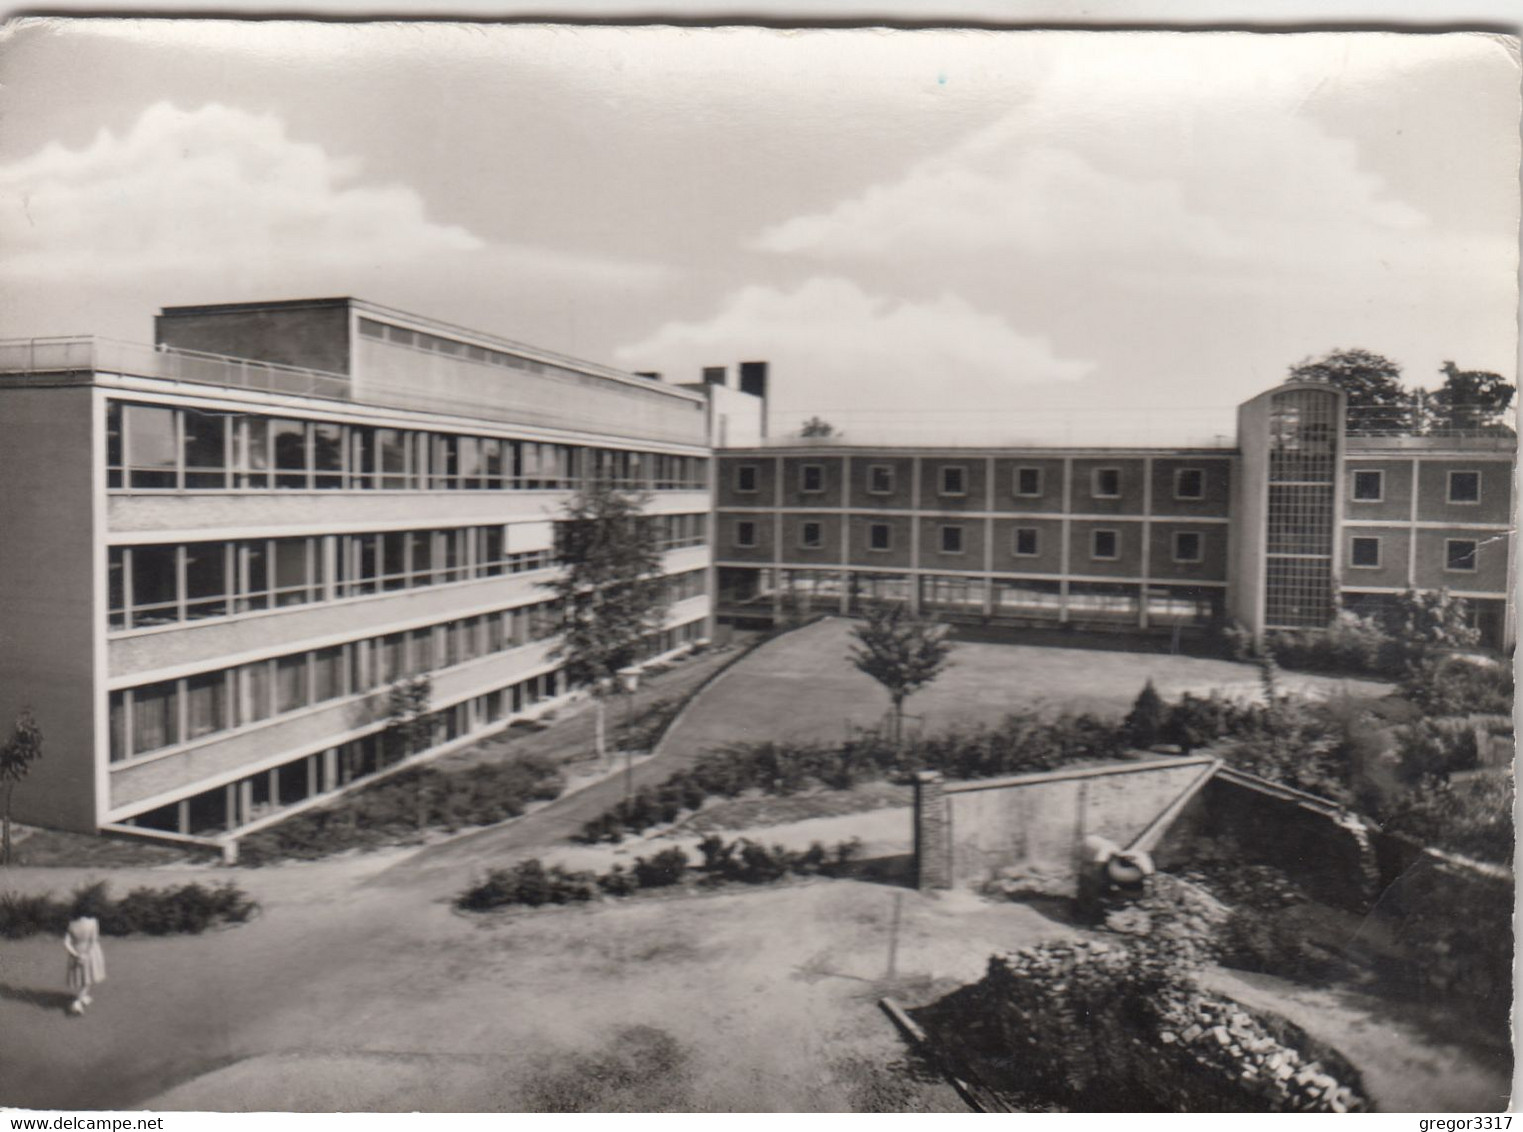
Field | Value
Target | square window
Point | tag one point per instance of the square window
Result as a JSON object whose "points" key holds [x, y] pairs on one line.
{"points": [[1464, 487], [745, 533], [1369, 487], [745, 478], [1102, 545], [812, 479], [1026, 541], [1028, 481], [1187, 546], [954, 480], [1107, 484], [1459, 554], [951, 539], [811, 535], [879, 536], [1189, 483], [880, 479], [1364, 552]]}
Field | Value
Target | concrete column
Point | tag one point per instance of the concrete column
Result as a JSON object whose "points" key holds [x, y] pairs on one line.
{"points": [[1065, 533], [1147, 542], [182, 815], [330, 769], [230, 805], [933, 832], [915, 470]]}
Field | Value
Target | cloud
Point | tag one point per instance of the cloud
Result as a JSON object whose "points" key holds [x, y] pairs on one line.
{"points": [[215, 188], [836, 348]]}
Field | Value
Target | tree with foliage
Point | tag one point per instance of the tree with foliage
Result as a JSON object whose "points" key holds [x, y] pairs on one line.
{"points": [[902, 652], [1144, 723], [1425, 623], [1471, 401], [20, 752], [1378, 404], [610, 592], [408, 727], [1470, 816], [817, 426]]}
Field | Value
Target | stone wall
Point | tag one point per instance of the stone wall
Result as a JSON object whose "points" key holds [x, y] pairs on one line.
{"points": [[967, 833]]}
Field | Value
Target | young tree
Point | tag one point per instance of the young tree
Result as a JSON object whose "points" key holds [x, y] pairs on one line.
{"points": [[21, 750], [408, 727], [1377, 403], [1471, 401], [610, 592], [1144, 723], [901, 652], [817, 426]]}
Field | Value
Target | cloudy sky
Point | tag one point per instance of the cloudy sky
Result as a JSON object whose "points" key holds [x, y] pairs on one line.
{"points": [[926, 233]]}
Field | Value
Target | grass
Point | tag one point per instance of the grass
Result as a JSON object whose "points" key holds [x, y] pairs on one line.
{"points": [[56, 848], [767, 810]]}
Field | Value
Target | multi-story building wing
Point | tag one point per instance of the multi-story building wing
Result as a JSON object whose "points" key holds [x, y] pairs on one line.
{"points": [[222, 550], [1280, 530]]}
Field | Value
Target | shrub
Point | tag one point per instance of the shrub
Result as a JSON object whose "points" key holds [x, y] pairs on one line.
{"points": [[1144, 724], [1454, 685], [530, 883], [666, 868], [1472, 817], [188, 909]]}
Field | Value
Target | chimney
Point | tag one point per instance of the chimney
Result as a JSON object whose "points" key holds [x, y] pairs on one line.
{"points": [[753, 378], [716, 375]]}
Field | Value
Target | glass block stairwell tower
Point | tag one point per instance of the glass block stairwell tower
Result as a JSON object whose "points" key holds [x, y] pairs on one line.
{"points": [[1289, 498]]}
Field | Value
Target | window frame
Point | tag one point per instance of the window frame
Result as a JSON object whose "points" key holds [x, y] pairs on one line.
{"points": [[872, 472], [888, 537], [1036, 542], [1094, 483], [1380, 485], [1449, 485], [742, 473], [1354, 541], [742, 525], [804, 472], [804, 529], [1179, 474], [1094, 535], [1475, 551], [1200, 547], [941, 480], [1037, 471], [944, 529]]}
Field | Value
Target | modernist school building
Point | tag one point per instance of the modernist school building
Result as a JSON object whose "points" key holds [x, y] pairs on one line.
{"points": [[1295, 520], [222, 549]]}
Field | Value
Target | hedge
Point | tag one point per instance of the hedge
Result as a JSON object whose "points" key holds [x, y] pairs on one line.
{"points": [[187, 909]]}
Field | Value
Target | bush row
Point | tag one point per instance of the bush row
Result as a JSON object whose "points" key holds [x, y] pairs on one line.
{"points": [[420, 798], [533, 884], [188, 909]]}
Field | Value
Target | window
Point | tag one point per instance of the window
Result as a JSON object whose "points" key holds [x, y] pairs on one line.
{"points": [[880, 536], [951, 537], [1364, 552], [150, 442], [1369, 487], [206, 579], [205, 446], [745, 533], [1189, 483], [1106, 484], [811, 535], [1187, 546], [1459, 554], [1026, 543], [290, 441], [745, 478], [880, 479], [155, 717], [1028, 482], [1464, 487], [1102, 545], [291, 682], [327, 673], [205, 704], [154, 585], [954, 481], [812, 479]]}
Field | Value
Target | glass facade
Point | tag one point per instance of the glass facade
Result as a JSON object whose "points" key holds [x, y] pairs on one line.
{"points": [[1303, 471]]}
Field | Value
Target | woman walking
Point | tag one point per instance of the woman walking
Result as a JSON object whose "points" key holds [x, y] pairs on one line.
{"points": [[87, 964]]}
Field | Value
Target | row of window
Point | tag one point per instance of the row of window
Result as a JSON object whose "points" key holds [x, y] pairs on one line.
{"points": [[154, 447], [1026, 541], [160, 584], [1368, 486], [163, 584], [1459, 553], [155, 716], [1105, 483]]}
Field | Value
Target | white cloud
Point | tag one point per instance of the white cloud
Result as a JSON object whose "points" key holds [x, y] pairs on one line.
{"points": [[836, 348], [216, 188]]}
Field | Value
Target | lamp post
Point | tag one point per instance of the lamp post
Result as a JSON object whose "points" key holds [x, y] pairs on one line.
{"points": [[629, 681]]}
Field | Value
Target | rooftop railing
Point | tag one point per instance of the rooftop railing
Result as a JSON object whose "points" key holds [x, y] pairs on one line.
{"points": [[109, 355]]}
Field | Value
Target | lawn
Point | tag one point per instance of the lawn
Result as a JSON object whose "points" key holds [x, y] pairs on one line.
{"points": [[802, 687]]}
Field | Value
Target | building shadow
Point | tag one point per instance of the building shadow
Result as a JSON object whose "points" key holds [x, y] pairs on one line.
{"points": [[46, 999]]}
